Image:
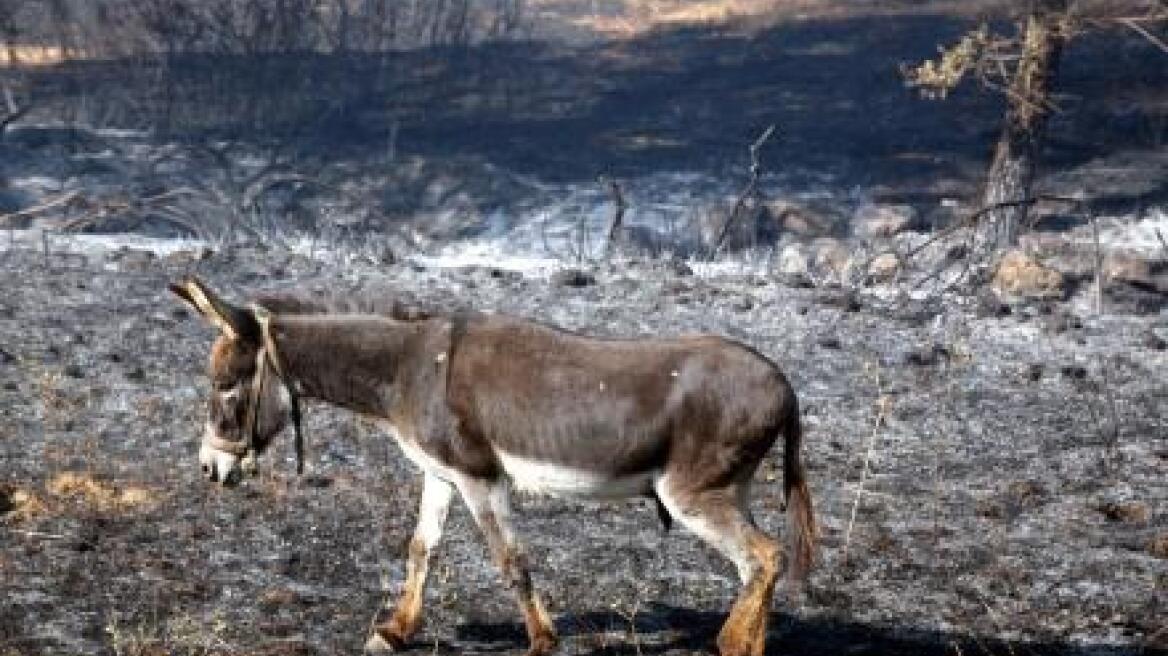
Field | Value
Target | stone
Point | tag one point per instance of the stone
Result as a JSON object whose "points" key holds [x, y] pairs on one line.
{"points": [[1127, 268], [793, 261], [831, 257], [883, 267], [1020, 275], [878, 220], [793, 218]]}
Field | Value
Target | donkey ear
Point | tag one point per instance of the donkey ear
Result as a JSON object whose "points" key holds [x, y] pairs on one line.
{"points": [[234, 322]]}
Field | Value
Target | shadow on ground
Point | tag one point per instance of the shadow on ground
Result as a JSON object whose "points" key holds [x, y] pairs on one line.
{"points": [[666, 629]]}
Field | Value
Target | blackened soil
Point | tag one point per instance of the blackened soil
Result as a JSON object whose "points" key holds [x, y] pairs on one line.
{"points": [[995, 511]]}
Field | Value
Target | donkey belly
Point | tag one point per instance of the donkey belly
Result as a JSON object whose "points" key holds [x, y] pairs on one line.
{"points": [[565, 481]]}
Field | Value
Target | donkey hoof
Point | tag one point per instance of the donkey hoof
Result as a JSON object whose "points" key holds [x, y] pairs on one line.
{"points": [[543, 645], [731, 646], [382, 642]]}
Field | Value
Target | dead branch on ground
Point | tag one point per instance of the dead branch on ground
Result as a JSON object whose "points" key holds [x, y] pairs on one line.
{"points": [[883, 410], [63, 199]]}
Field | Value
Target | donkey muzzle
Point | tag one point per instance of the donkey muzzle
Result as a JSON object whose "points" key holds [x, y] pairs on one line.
{"points": [[220, 466]]}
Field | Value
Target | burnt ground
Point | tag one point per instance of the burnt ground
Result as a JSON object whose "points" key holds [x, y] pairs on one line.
{"points": [[687, 98], [999, 513]]}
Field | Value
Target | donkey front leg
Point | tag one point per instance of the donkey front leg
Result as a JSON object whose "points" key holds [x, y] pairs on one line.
{"points": [[490, 504], [393, 635]]}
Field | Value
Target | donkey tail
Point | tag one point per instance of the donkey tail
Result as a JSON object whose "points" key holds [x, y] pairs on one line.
{"points": [[801, 527]]}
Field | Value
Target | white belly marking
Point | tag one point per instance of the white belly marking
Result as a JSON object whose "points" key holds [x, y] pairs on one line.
{"points": [[548, 478]]}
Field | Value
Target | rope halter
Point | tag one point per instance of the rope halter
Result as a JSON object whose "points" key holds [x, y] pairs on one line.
{"points": [[268, 358]]}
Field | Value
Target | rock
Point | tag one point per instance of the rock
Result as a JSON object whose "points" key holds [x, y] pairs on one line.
{"points": [[1020, 275], [785, 216], [878, 220], [883, 267], [6, 357], [1074, 371], [572, 278], [793, 261], [831, 258], [74, 370], [761, 226], [1127, 268]]}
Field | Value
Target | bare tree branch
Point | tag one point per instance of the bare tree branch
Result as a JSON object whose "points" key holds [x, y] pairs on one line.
{"points": [[43, 207], [1142, 31], [747, 192]]}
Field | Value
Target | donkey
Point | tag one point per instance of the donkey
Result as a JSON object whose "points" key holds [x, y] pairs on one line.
{"points": [[483, 404]]}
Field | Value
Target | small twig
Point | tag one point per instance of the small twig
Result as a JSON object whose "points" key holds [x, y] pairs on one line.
{"points": [[618, 210], [883, 409], [1111, 433], [15, 112], [1098, 266], [747, 192], [1142, 31]]}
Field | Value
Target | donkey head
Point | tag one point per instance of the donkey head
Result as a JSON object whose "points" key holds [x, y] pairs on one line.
{"points": [[248, 404]]}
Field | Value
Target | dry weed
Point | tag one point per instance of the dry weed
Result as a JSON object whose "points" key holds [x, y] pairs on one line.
{"points": [[85, 490]]}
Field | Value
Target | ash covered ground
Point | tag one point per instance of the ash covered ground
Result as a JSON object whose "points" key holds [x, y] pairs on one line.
{"points": [[990, 479], [990, 474]]}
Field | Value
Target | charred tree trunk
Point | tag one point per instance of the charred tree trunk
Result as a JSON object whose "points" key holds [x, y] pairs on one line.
{"points": [[1012, 171]]}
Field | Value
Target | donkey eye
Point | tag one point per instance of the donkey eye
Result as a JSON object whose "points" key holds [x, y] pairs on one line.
{"points": [[223, 385]]}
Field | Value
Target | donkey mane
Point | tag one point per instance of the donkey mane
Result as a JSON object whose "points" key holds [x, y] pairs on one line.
{"points": [[377, 302]]}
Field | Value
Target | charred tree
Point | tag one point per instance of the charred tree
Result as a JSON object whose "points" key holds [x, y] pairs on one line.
{"points": [[1012, 170], [1022, 67]]}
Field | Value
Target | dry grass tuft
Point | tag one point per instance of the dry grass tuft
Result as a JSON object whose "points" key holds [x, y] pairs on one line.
{"points": [[86, 490], [19, 504], [1158, 546]]}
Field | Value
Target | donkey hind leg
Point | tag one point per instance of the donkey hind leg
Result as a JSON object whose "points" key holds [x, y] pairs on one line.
{"points": [[489, 502], [393, 635], [720, 518]]}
